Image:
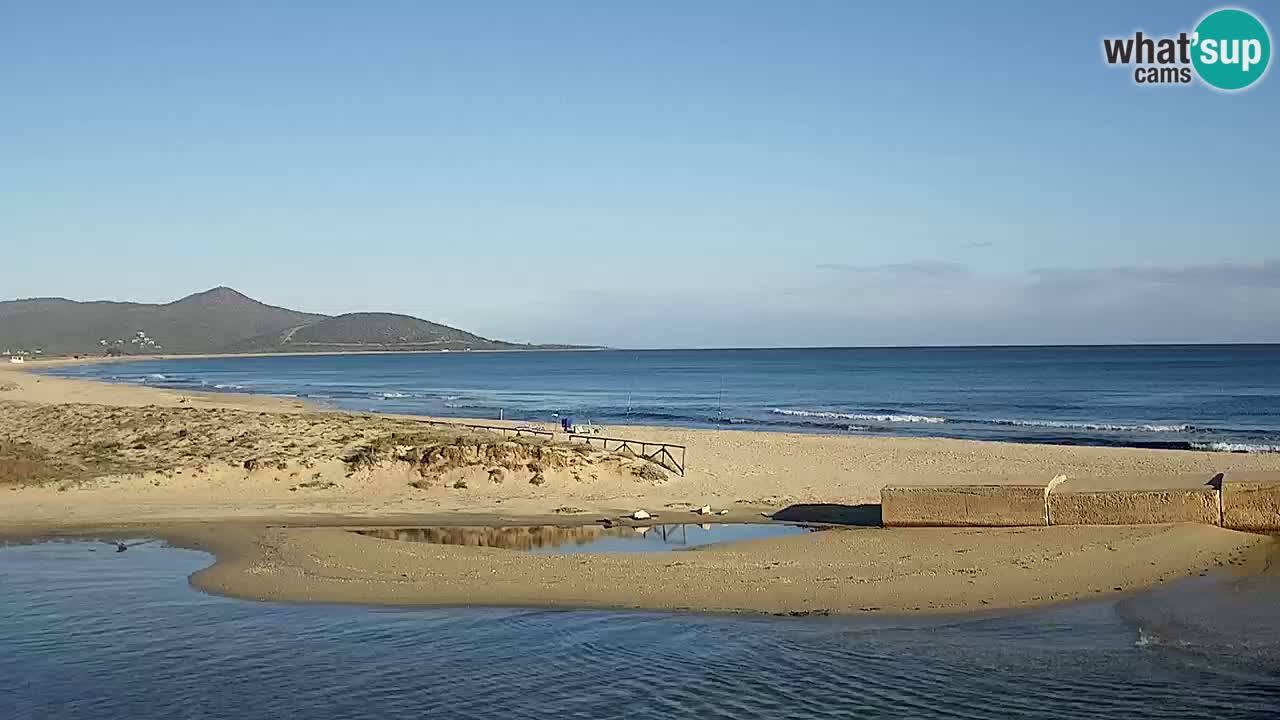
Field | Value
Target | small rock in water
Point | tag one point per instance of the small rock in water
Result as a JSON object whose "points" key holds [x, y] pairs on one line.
{"points": [[704, 510], [640, 515], [722, 512]]}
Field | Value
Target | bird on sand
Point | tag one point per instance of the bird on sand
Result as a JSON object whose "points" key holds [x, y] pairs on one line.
{"points": [[122, 546]]}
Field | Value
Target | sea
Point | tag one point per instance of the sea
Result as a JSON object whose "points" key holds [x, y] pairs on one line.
{"points": [[90, 633], [1222, 398]]}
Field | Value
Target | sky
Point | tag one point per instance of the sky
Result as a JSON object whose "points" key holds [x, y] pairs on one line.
{"points": [[694, 173]]}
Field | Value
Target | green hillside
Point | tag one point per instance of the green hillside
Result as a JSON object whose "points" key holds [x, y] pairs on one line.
{"points": [[220, 320]]}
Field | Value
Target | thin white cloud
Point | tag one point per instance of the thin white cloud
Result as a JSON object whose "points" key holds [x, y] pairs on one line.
{"points": [[1264, 274], [914, 269], [939, 303]]}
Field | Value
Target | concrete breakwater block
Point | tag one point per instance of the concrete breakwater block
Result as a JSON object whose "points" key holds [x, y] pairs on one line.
{"points": [[1251, 504], [963, 506], [1247, 501], [1135, 507]]}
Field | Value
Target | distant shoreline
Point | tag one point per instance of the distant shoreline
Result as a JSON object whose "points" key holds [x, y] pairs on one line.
{"points": [[87, 359], [65, 361]]}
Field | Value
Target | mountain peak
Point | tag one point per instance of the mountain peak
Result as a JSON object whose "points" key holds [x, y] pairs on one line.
{"points": [[218, 320], [221, 295]]}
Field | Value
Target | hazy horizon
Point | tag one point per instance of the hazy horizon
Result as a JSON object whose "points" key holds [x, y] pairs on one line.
{"points": [[666, 175]]}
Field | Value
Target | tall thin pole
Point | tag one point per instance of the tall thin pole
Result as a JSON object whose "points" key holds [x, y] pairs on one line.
{"points": [[720, 404]]}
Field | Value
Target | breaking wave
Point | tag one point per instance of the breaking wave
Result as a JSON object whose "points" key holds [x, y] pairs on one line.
{"points": [[1236, 447], [873, 417], [1066, 425]]}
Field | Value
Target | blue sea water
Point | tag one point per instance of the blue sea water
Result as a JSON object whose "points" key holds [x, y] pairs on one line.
{"points": [[1224, 398], [86, 632]]}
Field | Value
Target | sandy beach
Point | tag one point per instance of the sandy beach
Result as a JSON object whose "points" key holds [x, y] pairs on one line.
{"points": [[831, 572], [218, 469]]}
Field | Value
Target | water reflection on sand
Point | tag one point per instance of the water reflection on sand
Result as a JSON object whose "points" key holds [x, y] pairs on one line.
{"points": [[588, 538]]}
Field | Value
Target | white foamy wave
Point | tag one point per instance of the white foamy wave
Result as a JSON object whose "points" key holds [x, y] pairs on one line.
{"points": [[873, 417], [901, 418], [1064, 425], [1236, 447], [1149, 638], [1145, 639], [856, 428], [156, 376], [228, 386], [394, 395]]}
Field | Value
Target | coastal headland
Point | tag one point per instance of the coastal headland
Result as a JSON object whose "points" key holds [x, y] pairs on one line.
{"points": [[272, 487]]}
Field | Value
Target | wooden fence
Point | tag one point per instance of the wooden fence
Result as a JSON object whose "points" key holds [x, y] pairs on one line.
{"points": [[663, 454], [504, 430]]}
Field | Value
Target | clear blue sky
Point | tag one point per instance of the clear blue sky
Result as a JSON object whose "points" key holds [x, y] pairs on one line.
{"points": [[690, 173]]}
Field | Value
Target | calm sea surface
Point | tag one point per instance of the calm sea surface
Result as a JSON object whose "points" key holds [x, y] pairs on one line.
{"points": [[1224, 398], [86, 632]]}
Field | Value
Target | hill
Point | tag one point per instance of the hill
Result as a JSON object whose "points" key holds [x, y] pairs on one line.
{"points": [[220, 320], [369, 331]]}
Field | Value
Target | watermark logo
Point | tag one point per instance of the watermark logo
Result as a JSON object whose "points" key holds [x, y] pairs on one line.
{"points": [[1229, 49]]}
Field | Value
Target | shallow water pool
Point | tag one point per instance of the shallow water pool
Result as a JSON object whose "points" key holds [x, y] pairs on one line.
{"points": [[556, 539]]}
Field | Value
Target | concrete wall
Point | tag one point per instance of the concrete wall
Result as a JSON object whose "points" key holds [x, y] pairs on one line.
{"points": [[1251, 505], [1134, 507], [963, 506], [1241, 502]]}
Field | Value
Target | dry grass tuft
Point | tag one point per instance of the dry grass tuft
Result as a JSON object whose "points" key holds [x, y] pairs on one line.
{"points": [[651, 473], [22, 463]]}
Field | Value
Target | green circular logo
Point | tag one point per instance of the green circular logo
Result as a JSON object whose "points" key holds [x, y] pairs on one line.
{"points": [[1231, 49]]}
